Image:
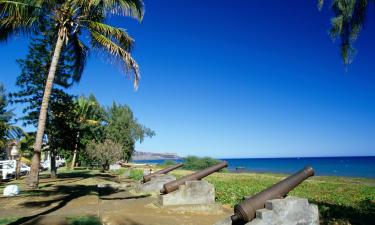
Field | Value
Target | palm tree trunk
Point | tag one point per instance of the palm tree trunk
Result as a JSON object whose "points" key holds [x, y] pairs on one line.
{"points": [[75, 153], [33, 179]]}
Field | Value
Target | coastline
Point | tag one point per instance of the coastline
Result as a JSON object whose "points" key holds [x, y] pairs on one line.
{"points": [[358, 166]]}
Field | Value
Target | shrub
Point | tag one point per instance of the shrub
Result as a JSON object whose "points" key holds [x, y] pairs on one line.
{"points": [[167, 163], [197, 163], [105, 153], [136, 174]]}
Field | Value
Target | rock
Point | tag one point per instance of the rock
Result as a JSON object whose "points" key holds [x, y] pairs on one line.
{"points": [[156, 183], [192, 193], [114, 167], [11, 190], [287, 211]]}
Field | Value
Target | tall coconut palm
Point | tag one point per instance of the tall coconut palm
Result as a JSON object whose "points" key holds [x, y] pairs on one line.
{"points": [[73, 20]]}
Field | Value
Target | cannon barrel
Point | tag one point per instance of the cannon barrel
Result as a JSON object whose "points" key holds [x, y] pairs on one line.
{"points": [[245, 211], [173, 185], [148, 177]]}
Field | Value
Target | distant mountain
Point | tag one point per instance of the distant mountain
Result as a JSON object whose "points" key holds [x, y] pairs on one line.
{"points": [[138, 155]]}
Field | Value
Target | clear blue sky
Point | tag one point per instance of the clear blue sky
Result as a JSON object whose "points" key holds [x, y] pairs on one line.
{"points": [[238, 79]]}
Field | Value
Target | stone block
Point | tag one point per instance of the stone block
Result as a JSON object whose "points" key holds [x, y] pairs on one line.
{"points": [[287, 211], [155, 184], [191, 193]]}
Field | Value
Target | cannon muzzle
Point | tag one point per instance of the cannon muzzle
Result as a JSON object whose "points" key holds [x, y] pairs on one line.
{"points": [[245, 211], [173, 185], [163, 171]]}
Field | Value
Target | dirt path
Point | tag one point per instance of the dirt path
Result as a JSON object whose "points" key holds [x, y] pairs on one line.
{"points": [[66, 198]]}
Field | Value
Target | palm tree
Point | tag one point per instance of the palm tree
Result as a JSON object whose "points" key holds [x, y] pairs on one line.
{"points": [[73, 20], [87, 115]]}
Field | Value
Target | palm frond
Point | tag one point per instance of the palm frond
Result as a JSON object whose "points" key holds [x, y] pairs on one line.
{"points": [[133, 8], [14, 132], [110, 32], [80, 53], [101, 42], [320, 4], [18, 17], [349, 18]]}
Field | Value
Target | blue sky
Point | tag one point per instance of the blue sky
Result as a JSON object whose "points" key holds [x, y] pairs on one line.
{"points": [[237, 79]]}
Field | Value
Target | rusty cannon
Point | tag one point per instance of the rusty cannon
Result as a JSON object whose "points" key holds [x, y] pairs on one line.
{"points": [[173, 185], [245, 211], [148, 177]]}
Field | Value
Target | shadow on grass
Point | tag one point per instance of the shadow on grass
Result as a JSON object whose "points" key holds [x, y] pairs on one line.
{"points": [[336, 214], [68, 193], [84, 220]]}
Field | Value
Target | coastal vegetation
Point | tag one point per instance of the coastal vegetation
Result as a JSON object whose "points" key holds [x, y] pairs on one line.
{"points": [[198, 163]]}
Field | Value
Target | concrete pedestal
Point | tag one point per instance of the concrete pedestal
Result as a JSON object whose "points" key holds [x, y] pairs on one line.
{"points": [[191, 193], [155, 184], [287, 211]]}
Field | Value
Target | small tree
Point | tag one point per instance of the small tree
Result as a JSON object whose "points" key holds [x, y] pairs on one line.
{"points": [[105, 153], [124, 128]]}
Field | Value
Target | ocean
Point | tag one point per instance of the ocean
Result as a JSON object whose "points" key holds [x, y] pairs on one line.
{"points": [[323, 166]]}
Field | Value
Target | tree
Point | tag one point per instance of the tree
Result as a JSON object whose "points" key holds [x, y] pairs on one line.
{"points": [[105, 153], [73, 19], [123, 128], [349, 18], [89, 115], [34, 71], [5, 116], [7, 130]]}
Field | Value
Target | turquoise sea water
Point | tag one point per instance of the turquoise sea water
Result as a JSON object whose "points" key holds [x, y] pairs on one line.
{"points": [[323, 166]]}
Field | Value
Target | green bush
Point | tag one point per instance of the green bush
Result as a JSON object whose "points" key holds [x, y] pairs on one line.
{"points": [[198, 163], [167, 163], [136, 174]]}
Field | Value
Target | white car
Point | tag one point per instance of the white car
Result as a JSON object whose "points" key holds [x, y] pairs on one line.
{"points": [[7, 169], [24, 169], [45, 165]]}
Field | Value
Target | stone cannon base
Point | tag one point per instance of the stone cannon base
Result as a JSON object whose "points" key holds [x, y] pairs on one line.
{"points": [[191, 193], [287, 211], [155, 184]]}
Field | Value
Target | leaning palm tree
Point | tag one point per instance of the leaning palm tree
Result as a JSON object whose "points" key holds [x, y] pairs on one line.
{"points": [[73, 20]]}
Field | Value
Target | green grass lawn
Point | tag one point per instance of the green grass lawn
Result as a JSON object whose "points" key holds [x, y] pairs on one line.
{"points": [[340, 200]]}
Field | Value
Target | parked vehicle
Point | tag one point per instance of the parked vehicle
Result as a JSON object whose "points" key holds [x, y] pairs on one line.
{"points": [[7, 169], [24, 169], [46, 165]]}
